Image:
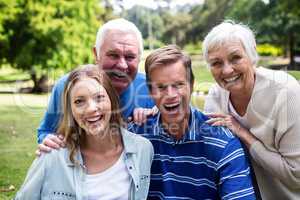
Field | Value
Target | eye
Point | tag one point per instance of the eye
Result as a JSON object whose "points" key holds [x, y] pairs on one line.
{"points": [[179, 85], [99, 97], [130, 57], [216, 64], [161, 87], [113, 55], [236, 58], [78, 102]]}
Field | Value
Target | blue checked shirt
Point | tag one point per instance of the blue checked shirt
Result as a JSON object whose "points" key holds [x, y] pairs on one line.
{"points": [[207, 163]]}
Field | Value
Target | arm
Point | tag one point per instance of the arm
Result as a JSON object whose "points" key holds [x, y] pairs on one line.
{"points": [[234, 171], [35, 178], [284, 162], [52, 116]]}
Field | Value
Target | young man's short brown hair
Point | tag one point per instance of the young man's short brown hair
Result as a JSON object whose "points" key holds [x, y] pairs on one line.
{"points": [[167, 55]]}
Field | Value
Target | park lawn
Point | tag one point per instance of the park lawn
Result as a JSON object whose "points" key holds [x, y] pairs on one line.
{"points": [[20, 116]]}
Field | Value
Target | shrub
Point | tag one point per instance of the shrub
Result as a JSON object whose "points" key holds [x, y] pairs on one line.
{"points": [[269, 50]]}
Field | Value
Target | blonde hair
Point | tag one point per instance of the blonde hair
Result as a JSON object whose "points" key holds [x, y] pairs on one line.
{"points": [[74, 135]]}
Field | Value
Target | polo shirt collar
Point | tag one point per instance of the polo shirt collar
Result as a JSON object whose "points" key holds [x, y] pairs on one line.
{"points": [[190, 134]]}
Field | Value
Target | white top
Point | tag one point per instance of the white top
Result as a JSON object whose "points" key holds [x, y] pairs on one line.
{"points": [[111, 184], [242, 119]]}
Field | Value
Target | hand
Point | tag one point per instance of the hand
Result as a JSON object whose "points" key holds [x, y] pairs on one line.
{"points": [[140, 114], [230, 122], [217, 119], [50, 142]]}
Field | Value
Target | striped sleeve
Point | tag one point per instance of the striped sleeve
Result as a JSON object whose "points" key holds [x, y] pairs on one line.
{"points": [[235, 179]]}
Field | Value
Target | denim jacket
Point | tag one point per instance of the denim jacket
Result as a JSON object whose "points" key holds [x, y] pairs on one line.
{"points": [[54, 176]]}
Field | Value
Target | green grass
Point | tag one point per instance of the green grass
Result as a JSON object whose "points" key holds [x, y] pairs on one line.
{"points": [[20, 115], [10, 74], [296, 74]]}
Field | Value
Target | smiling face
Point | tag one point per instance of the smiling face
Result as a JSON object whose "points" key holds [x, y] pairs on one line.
{"points": [[171, 91], [90, 105], [231, 67], [119, 57]]}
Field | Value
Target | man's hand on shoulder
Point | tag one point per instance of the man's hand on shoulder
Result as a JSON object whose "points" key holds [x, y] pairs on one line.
{"points": [[140, 114], [50, 142]]}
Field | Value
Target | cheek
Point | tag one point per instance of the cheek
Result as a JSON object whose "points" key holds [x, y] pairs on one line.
{"points": [[215, 73], [156, 96], [76, 115], [107, 63], [133, 66]]}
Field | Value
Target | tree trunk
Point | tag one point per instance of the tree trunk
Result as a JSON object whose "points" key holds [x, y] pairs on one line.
{"points": [[292, 53], [39, 85]]}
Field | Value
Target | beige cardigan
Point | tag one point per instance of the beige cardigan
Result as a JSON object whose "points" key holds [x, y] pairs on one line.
{"points": [[273, 115]]}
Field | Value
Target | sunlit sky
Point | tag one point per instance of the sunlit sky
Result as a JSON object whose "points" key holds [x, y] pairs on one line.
{"points": [[153, 4]]}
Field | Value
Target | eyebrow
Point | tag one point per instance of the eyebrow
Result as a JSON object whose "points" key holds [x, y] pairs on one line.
{"points": [[236, 51]]}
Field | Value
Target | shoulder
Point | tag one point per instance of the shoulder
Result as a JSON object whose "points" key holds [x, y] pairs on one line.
{"points": [[135, 140], [140, 77], [279, 84], [56, 157], [60, 84], [145, 128], [215, 138], [139, 82], [277, 77]]}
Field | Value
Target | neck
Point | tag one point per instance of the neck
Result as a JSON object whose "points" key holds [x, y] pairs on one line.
{"points": [[177, 129], [240, 100], [106, 141]]}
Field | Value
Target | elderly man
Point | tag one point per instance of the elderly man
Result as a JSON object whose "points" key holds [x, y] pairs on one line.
{"points": [[193, 160], [118, 49]]}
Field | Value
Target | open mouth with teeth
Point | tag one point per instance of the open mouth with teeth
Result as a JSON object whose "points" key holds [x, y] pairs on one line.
{"points": [[94, 120], [173, 107], [232, 79]]}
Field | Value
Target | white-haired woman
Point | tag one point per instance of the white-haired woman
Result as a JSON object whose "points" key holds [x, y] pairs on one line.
{"points": [[259, 105]]}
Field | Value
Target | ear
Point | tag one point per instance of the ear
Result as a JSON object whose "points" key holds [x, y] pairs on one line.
{"points": [[95, 54]]}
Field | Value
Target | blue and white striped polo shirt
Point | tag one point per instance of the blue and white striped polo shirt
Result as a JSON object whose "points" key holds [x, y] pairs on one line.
{"points": [[207, 163]]}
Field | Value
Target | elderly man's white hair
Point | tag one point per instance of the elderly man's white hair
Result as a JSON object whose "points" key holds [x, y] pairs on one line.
{"points": [[228, 31], [119, 24]]}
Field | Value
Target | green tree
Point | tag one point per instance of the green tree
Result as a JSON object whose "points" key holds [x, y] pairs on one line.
{"points": [[205, 16], [276, 22], [37, 36]]}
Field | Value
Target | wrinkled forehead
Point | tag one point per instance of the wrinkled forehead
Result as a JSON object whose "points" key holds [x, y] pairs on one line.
{"points": [[115, 38], [229, 43]]}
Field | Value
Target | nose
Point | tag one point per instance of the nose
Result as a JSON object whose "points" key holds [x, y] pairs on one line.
{"points": [[122, 63], [171, 91], [227, 68], [92, 106]]}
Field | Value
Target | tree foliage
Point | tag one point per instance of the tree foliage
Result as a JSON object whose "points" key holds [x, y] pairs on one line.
{"points": [[47, 34]]}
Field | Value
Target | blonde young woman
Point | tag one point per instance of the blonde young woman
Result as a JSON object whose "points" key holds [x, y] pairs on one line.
{"points": [[259, 105], [102, 160]]}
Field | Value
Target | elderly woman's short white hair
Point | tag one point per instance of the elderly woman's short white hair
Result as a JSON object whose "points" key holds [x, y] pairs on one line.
{"points": [[226, 32], [119, 24]]}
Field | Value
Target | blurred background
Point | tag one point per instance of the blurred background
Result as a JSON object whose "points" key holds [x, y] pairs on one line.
{"points": [[40, 40]]}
